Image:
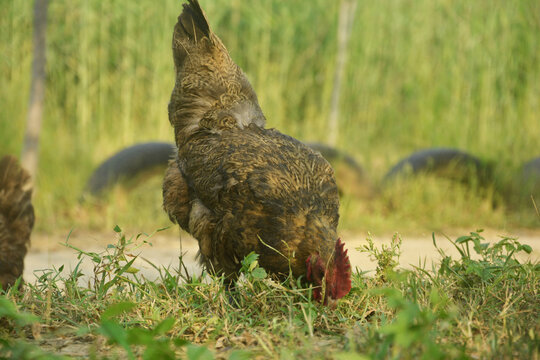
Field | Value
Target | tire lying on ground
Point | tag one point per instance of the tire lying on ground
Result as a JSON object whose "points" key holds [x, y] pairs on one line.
{"points": [[444, 162], [153, 157], [129, 163], [529, 180], [351, 178]]}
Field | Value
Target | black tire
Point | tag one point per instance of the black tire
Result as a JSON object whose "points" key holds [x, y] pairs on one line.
{"points": [[139, 158], [129, 163], [529, 179], [351, 178], [333, 155], [444, 162]]}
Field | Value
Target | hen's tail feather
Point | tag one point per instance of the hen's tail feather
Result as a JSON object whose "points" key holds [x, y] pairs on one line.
{"points": [[208, 82], [12, 176], [16, 219], [193, 21], [189, 32]]}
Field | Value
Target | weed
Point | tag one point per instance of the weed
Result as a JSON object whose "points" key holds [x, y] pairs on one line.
{"points": [[482, 304], [387, 258]]}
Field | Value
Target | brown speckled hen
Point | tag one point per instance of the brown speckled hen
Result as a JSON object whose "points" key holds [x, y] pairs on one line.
{"points": [[16, 219], [238, 187]]}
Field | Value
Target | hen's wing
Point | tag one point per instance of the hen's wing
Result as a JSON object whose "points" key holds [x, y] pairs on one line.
{"points": [[176, 200], [262, 191], [181, 206], [16, 219]]}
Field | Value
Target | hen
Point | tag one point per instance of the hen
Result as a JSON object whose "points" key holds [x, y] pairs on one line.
{"points": [[238, 187], [16, 219]]}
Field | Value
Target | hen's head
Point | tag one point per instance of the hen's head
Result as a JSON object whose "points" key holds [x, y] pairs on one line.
{"points": [[336, 273]]}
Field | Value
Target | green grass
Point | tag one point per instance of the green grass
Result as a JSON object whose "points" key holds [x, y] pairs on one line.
{"points": [[419, 74], [482, 304]]}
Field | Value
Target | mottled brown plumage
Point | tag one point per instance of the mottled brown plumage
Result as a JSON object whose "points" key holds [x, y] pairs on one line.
{"points": [[208, 83], [238, 187], [16, 219]]}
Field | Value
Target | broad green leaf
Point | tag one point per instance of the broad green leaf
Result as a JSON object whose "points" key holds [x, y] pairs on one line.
{"points": [[117, 309], [259, 273], [526, 248], [9, 310], [240, 355], [463, 239], [132, 270], [164, 326], [195, 352]]}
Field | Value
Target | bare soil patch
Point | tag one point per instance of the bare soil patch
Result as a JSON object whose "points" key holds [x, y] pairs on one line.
{"points": [[165, 248]]}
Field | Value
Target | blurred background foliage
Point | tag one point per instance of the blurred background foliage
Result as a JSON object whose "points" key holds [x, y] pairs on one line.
{"points": [[420, 73]]}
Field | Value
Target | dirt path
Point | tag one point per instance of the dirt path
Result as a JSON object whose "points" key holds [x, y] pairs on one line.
{"points": [[47, 251]]}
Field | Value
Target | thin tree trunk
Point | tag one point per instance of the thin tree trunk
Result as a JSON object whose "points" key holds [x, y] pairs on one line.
{"points": [[30, 151], [346, 15]]}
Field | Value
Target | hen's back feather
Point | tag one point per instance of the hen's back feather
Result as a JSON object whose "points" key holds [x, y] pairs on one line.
{"points": [[16, 219]]}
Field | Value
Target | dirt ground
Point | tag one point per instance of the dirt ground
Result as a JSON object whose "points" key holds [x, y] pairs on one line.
{"points": [[47, 251]]}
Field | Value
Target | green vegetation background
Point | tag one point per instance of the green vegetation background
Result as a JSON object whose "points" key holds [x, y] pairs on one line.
{"points": [[420, 74]]}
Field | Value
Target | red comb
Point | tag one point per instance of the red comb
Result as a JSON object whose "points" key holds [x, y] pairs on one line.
{"points": [[342, 271]]}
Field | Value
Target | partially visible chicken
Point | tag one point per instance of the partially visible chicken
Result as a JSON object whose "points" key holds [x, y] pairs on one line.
{"points": [[16, 219], [237, 187]]}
